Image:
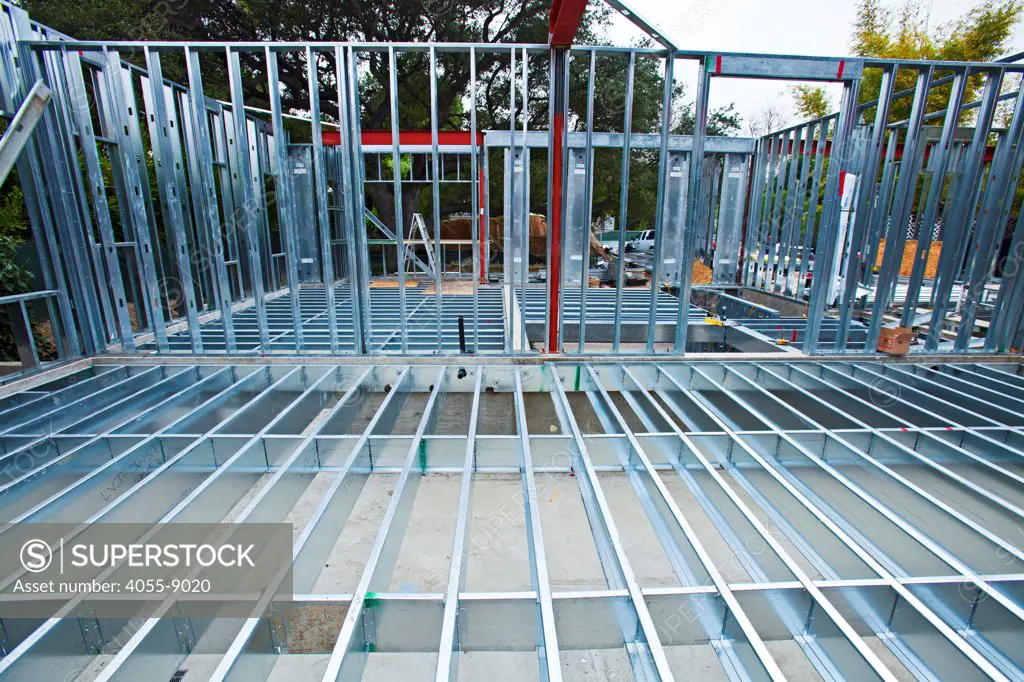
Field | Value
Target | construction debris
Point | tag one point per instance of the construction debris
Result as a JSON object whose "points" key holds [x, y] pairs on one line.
{"points": [[701, 273], [462, 228]]}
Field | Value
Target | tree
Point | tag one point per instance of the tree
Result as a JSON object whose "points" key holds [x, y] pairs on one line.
{"points": [[980, 34], [770, 118], [489, 21], [609, 109], [810, 102], [476, 21]]}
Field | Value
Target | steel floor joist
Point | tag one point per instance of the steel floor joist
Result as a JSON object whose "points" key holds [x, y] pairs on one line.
{"points": [[632, 520], [792, 330], [385, 323], [600, 306]]}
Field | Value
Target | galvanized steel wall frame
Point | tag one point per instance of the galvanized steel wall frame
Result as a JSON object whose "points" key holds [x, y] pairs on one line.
{"points": [[772, 221]]}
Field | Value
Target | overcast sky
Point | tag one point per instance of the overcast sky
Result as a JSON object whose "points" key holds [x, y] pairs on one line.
{"points": [[812, 27]]}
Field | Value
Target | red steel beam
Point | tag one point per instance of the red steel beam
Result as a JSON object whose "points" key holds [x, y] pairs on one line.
{"points": [[483, 228], [555, 257], [564, 20]]}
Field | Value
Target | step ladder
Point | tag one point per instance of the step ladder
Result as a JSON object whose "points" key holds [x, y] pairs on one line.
{"points": [[419, 225]]}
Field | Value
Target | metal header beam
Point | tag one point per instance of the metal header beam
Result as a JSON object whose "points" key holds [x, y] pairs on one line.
{"points": [[564, 21]]}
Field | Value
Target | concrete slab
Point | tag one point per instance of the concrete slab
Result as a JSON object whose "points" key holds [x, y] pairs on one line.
{"points": [[348, 556], [426, 553], [299, 668], [792, 660], [497, 414], [695, 662], [499, 666], [400, 667], [573, 563], [725, 560], [584, 665], [643, 549], [497, 555]]}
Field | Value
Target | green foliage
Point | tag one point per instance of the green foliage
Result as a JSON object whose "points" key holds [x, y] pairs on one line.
{"points": [[810, 102], [477, 21], [14, 279], [609, 110], [13, 215], [980, 34]]}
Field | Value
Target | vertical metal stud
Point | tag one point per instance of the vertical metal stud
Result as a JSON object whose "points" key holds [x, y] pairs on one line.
{"points": [[906, 186], [694, 202], [167, 182], [940, 155], [627, 139], [1003, 177], [320, 179], [204, 195], [828, 232], [476, 190], [396, 173], [864, 214], [659, 212], [755, 203], [352, 186], [791, 210], [285, 205], [588, 197], [435, 182], [90, 154], [959, 218], [244, 215], [524, 215]]}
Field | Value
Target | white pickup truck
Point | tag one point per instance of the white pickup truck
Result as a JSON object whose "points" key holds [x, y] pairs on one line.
{"points": [[642, 242]]}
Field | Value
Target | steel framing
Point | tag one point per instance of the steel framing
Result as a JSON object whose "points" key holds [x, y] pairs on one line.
{"points": [[572, 515], [221, 252], [859, 519]]}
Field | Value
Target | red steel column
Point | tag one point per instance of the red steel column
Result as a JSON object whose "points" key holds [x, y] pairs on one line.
{"points": [[562, 26], [556, 199], [484, 235], [565, 19]]}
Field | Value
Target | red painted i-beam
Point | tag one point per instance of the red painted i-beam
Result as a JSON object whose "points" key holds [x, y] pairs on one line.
{"points": [[555, 257], [483, 229], [445, 138], [564, 20]]}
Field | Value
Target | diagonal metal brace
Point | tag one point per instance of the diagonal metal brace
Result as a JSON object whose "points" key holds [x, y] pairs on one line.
{"points": [[20, 130], [642, 23], [391, 235]]}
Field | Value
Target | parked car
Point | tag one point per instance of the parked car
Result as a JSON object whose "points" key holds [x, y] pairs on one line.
{"points": [[642, 242]]}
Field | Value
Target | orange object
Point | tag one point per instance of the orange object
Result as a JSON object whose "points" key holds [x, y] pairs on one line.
{"points": [[907, 259], [895, 340], [701, 273]]}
